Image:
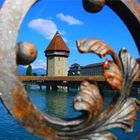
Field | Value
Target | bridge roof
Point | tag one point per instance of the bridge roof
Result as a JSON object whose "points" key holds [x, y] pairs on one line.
{"points": [[57, 44], [65, 78]]}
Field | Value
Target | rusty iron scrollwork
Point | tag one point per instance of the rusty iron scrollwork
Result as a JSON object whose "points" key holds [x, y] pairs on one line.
{"points": [[95, 122]]}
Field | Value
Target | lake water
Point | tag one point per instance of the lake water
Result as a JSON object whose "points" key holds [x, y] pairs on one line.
{"points": [[56, 104]]}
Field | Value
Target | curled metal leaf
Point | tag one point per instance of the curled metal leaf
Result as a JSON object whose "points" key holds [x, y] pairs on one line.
{"points": [[99, 47], [113, 74], [105, 135], [125, 116], [89, 99], [131, 69], [94, 45]]}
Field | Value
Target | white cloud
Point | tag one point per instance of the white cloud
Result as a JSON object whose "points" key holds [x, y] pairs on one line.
{"points": [[47, 28], [39, 64], [69, 19]]}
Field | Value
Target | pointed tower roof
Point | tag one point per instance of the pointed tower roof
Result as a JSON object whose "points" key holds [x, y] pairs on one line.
{"points": [[57, 44]]}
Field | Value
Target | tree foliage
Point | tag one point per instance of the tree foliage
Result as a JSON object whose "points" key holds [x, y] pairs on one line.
{"points": [[29, 70]]}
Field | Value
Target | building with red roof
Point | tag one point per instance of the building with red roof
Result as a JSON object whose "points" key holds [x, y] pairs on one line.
{"points": [[57, 54]]}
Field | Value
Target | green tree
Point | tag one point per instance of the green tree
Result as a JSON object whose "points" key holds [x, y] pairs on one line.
{"points": [[29, 70]]}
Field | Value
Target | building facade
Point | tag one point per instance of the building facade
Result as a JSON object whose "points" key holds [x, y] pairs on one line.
{"points": [[74, 70], [92, 69], [57, 57]]}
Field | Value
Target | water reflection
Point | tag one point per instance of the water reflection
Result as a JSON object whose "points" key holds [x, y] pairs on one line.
{"points": [[54, 103]]}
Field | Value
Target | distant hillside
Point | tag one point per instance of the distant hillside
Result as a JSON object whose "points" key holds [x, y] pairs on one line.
{"points": [[38, 71]]}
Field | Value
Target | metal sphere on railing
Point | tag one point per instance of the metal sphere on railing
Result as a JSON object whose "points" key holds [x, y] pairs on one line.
{"points": [[26, 53], [93, 6]]}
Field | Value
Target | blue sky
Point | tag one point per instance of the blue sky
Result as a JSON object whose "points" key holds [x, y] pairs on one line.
{"points": [[73, 22]]}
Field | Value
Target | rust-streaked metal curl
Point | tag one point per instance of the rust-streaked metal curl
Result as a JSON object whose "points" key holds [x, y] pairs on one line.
{"points": [[94, 123], [122, 110]]}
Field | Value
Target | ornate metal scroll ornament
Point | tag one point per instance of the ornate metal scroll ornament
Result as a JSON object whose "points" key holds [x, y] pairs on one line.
{"points": [[95, 122]]}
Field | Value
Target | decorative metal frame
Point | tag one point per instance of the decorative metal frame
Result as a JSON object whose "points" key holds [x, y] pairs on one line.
{"points": [[120, 73]]}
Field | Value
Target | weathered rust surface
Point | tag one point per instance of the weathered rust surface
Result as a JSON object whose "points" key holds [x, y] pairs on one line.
{"points": [[93, 5], [94, 122], [113, 74], [120, 78], [98, 47], [26, 53], [89, 98], [28, 115]]}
